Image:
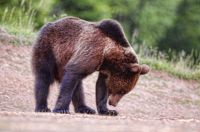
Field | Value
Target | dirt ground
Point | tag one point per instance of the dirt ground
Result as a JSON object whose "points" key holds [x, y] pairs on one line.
{"points": [[159, 102]]}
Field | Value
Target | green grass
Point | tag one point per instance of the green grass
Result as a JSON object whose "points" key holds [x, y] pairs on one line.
{"points": [[19, 22], [172, 68], [23, 36], [180, 67]]}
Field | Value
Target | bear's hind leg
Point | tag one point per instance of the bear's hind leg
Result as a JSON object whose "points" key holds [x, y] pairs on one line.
{"points": [[42, 84], [78, 100], [44, 77]]}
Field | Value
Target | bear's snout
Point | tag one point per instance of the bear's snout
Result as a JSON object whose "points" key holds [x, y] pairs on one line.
{"points": [[114, 99]]}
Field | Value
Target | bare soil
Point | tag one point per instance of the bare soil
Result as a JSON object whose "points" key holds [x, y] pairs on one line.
{"points": [[159, 102]]}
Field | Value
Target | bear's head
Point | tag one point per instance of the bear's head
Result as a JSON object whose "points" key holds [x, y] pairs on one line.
{"points": [[119, 84], [120, 64]]}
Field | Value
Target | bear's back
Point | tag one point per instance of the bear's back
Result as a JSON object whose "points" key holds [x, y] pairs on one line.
{"points": [[67, 36], [65, 30]]}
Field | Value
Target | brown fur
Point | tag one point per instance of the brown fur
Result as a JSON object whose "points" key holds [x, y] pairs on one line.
{"points": [[82, 47], [71, 40], [78, 40], [114, 30]]}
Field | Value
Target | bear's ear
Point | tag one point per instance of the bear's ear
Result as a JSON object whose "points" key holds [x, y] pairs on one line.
{"points": [[135, 68], [144, 69]]}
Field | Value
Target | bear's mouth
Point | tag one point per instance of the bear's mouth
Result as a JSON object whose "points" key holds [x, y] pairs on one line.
{"points": [[114, 99], [112, 104]]}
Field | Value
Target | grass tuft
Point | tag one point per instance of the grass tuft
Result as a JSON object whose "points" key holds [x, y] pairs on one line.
{"points": [[19, 23], [181, 66]]}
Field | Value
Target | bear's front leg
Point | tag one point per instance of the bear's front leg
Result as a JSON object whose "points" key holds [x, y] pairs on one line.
{"points": [[102, 97], [78, 100], [70, 80]]}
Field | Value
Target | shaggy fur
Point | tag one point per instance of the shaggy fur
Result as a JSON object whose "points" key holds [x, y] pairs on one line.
{"points": [[113, 30], [68, 50]]}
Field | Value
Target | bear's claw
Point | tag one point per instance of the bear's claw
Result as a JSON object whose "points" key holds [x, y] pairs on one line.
{"points": [[42, 109], [85, 109], [108, 112], [61, 111]]}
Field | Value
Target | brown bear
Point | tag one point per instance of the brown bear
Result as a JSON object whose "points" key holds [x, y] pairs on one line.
{"points": [[70, 49]]}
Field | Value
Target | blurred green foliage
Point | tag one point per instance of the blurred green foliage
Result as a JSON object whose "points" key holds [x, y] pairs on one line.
{"points": [[28, 13], [185, 32], [171, 26]]}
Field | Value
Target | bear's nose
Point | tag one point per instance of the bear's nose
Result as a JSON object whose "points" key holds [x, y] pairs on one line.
{"points": [[114, 99], [111, 103]]}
